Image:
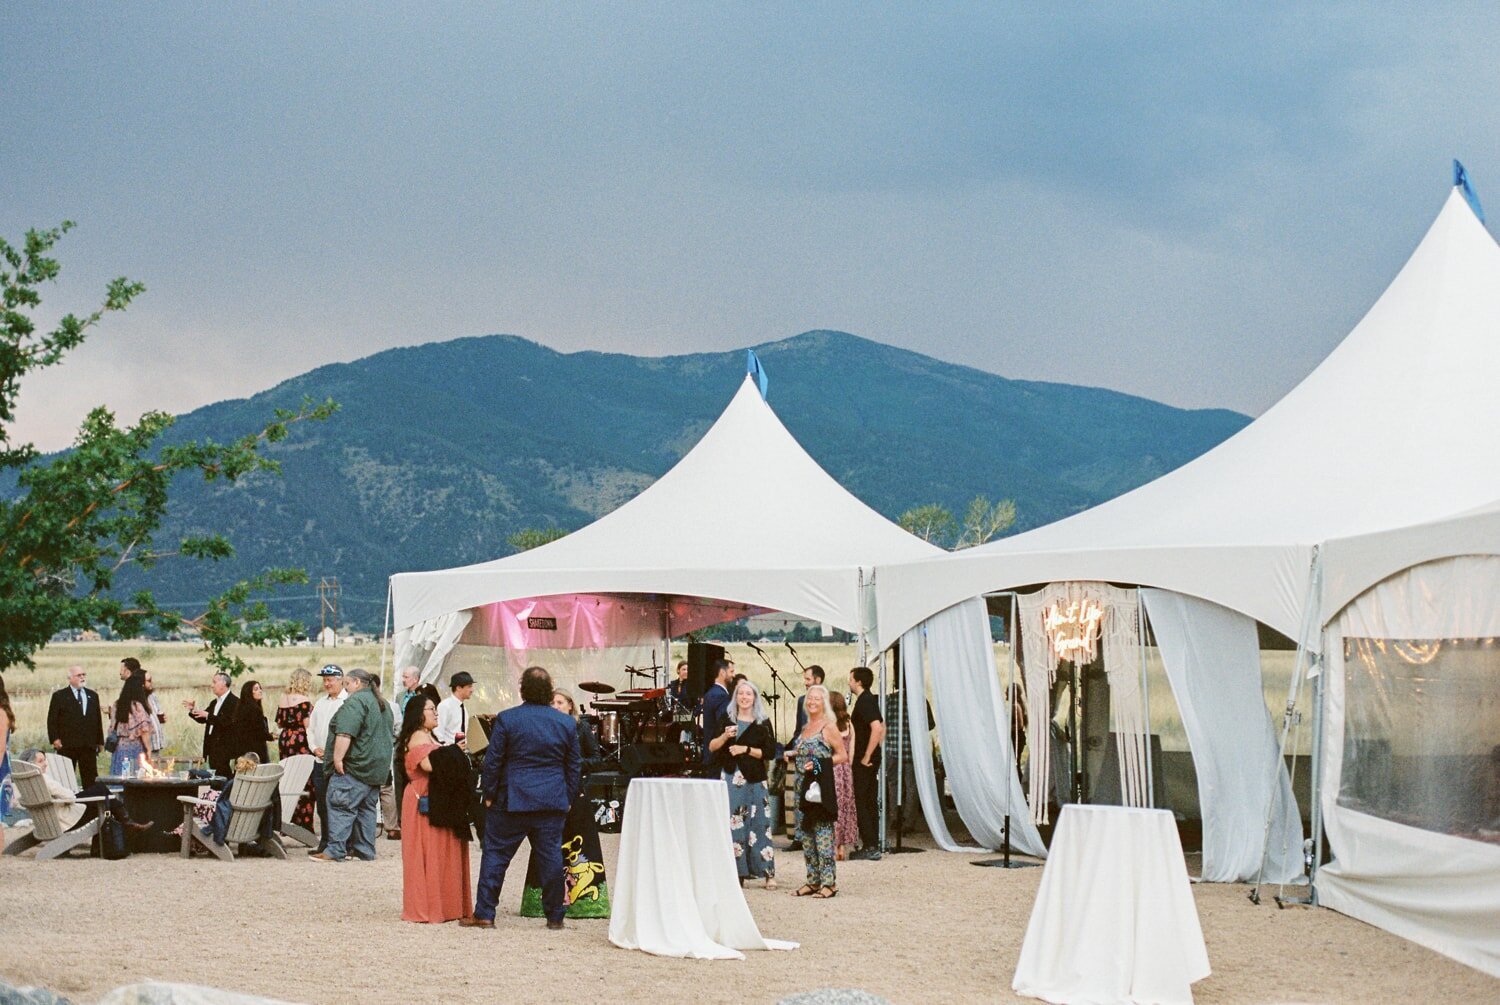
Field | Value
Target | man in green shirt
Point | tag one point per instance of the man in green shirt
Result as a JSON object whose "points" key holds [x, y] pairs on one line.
{"points": [[356, 763]]}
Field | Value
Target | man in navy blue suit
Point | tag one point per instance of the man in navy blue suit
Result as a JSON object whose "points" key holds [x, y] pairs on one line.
{"points": [[531, 772], [716, 707]]}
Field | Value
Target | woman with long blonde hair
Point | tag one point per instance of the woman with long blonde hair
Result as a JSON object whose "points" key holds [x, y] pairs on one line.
{"points": [[819, 749], [291, 719]]}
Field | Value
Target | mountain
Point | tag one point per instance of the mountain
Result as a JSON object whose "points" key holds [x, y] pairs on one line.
{"points": [[440, 451]]}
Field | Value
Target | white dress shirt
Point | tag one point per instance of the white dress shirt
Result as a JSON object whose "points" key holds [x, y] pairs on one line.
{"points": [[321, 718], [450, 713]]}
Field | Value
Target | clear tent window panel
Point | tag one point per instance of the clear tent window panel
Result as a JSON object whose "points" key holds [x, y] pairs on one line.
{"points": [[1422, 733]]}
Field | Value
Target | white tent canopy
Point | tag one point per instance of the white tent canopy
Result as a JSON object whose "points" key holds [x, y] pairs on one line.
{"points": [[1410, 788], [1399, 425], [746, 516]]}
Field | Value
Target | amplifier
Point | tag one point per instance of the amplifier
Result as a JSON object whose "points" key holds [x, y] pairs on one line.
{"points": [[652, 759]]}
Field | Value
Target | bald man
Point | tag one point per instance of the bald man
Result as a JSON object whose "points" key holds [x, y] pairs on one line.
{"points": [[75, 725]]}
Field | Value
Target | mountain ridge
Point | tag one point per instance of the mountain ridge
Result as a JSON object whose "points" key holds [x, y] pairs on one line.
{"points": [[441, 450]]}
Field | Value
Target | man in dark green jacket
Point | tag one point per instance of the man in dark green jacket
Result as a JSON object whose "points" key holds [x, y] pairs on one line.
{"points": [[356, 763]]}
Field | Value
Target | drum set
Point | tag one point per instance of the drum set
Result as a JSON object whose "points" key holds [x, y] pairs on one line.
{"points": [[648, 715]]}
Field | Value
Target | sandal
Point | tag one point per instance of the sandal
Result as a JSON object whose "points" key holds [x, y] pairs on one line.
{"points": [[827, 893], [806, 890]]}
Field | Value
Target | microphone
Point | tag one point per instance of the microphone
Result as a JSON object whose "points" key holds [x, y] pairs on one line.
{"points": [[757, 648], [789, 646]]}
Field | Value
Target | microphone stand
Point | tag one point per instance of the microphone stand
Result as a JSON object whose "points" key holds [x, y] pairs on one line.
{"points": [[794, 655], [776, 684]]}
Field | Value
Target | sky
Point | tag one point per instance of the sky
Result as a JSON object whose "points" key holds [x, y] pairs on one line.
{"points": [[1192, 207]]}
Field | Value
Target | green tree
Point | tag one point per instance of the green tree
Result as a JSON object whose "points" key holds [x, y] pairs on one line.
{"points": [[931, 523], [534, 537], [984, 519], [69, 525]]}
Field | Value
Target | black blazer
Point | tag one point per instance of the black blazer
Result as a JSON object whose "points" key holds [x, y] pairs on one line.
{"points": [[450, 790], [757, 735], [217, 732], [70, 724], [828, 809], [588, 746]]}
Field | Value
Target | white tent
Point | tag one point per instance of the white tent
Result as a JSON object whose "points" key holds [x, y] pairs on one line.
{"points": [[1410, 791], [746, 517], [1399, 425]]}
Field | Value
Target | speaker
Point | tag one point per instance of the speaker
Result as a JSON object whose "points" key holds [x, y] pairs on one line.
{"points": [[652, 758], [701, 657]]}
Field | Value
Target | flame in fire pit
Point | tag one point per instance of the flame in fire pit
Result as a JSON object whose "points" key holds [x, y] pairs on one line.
{"points": [[145, 770]]}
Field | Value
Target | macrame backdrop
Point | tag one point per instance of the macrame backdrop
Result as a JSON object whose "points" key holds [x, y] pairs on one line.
{"points": [[1120, 634]]}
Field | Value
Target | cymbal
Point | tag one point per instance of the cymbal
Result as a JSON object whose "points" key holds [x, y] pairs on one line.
{"points": [[595, 687]]}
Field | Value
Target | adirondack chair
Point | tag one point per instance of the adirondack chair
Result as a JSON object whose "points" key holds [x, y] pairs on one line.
{"points": [[47, 827], [297, 769], [61, 768], [251, 796]]}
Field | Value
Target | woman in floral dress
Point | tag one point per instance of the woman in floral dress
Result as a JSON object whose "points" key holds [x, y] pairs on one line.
{"points": [[291, 720], [742, 752], [131, 719], [846, 827], [817, 752]]}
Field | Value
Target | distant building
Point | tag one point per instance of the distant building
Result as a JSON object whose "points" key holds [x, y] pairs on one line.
{"points": [[765, 624]]}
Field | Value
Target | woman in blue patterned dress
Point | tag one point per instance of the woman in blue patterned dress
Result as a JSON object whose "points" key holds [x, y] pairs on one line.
{"points": [[819, 747], [742, 751]]}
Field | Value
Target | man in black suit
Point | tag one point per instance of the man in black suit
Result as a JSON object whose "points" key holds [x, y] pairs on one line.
{"points": [[75, 725], [216, 719]]}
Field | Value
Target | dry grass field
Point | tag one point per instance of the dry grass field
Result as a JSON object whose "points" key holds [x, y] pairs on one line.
{"points": [[179, 672]]}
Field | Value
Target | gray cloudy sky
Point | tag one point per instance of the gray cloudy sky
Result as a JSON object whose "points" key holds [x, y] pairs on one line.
{"points": [[1193, 208]]}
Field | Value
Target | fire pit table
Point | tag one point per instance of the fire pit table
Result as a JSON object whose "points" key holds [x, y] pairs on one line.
{"points": [[155, 799]]}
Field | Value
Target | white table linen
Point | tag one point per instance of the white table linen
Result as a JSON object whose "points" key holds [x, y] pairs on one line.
{"points": [[1114, 919], [676, 889]]}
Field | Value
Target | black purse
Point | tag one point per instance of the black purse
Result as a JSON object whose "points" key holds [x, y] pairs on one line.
{"points": [[112, 843]]}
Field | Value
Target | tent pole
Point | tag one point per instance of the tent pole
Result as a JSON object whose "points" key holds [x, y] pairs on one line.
{"points": [[1316, 786], [385, 637], [1010, 718], [885, 766], [1140, 621]]}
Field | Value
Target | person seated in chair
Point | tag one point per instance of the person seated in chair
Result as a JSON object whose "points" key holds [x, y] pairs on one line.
{"points": [[76, 814], [223, 811]]}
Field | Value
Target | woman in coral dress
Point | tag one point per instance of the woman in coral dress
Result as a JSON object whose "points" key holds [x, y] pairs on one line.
{"points": [[434, 860]]}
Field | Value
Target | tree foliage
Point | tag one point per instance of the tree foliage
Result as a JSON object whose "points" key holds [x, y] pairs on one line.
{"points": [[73, 522], [982, 521], [931, 522], [534, 537]]}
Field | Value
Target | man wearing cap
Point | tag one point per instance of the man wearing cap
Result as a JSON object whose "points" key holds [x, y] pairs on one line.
{"points": [[321, 717], [452, 714], [356, 763]]}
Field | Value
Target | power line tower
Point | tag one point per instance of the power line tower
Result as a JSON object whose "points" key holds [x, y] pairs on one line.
{"points": [[328, 606]]}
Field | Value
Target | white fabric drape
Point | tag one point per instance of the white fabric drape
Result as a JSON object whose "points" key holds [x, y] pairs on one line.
{"points": [[1120, 635], [425, 645], [1439, 890], [1212, 659], [972, 726], [914, 687]]}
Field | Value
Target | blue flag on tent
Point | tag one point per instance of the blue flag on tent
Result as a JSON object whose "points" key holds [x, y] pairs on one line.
{"points": [[1461, 182], [754, 369]]}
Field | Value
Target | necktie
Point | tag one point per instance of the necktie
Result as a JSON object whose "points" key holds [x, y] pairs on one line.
{"points": [[82, 705], [463, 717]]}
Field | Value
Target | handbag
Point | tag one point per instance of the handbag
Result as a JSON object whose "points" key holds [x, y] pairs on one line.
{"points": [[814, 793], [422, 805], [112, 843], [112, 741]]}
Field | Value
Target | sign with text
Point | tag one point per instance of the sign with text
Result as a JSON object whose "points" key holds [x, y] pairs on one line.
{"points": [[542, 624]]}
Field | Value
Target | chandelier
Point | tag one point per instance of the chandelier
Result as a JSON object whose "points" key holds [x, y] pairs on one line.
{"points": [[1072, 629]]}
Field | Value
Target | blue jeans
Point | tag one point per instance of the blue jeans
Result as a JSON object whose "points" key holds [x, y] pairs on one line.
{"points": [[351, 817], [503, 832]]}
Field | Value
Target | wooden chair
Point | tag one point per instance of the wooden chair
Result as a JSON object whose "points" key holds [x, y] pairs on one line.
{"points": [[296, 769], [47, 827], [61, 769], [251, 797]]}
